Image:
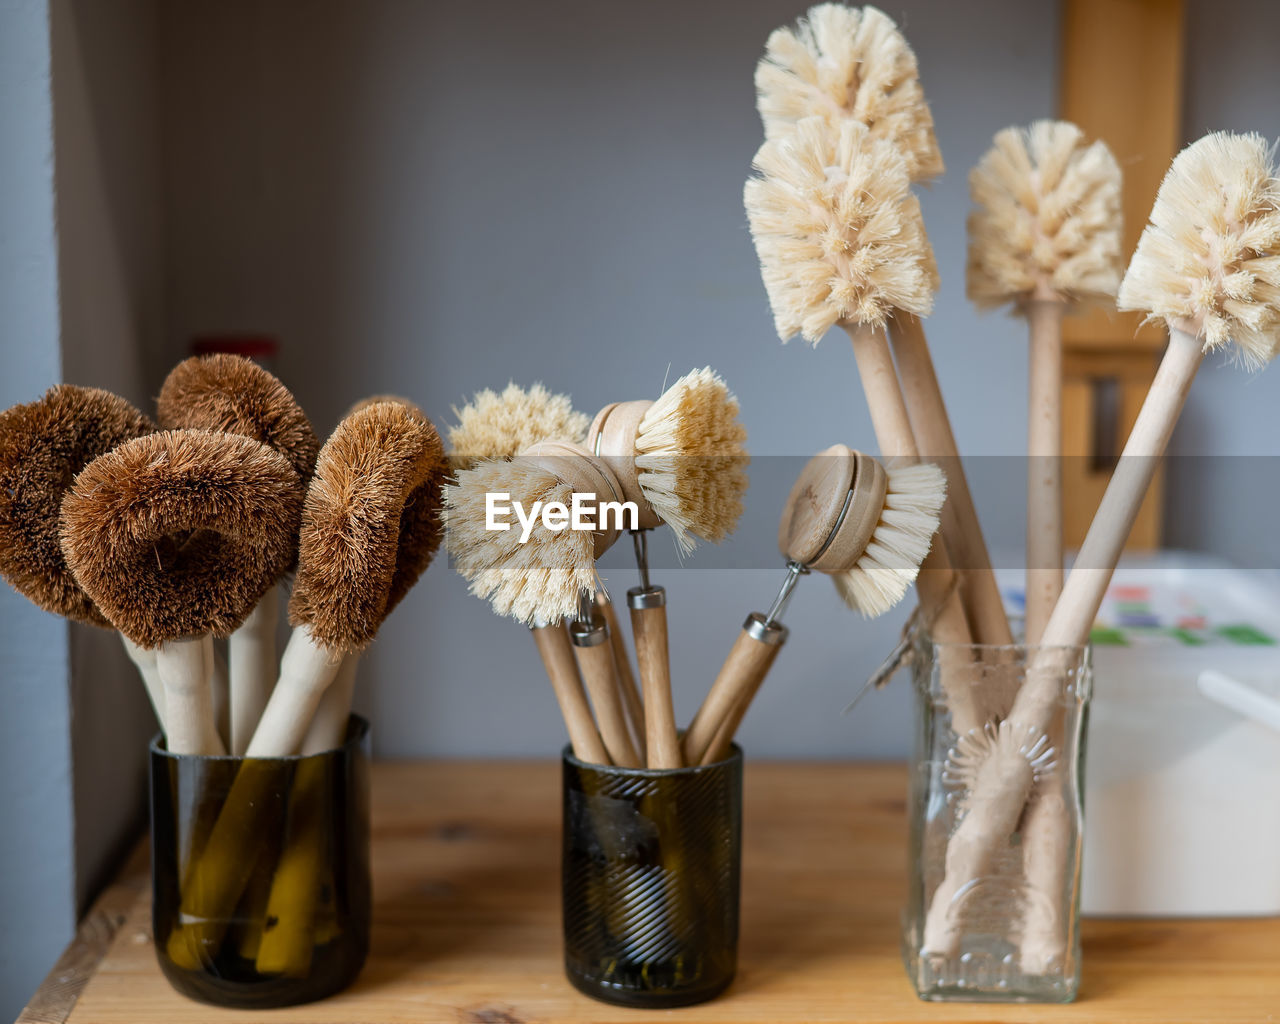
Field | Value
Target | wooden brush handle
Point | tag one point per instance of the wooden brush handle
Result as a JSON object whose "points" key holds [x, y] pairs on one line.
{"points": [[722, 742], [961, 531], [740, 676], [1087, 584], [184, 667], [649, 626], [632, 703], [1044, 469], [936, 585], [596, 665], [145, 662], [306, 670], [251, 652], [328, 729], [557, 659], [220, 686], [1000, 794]]}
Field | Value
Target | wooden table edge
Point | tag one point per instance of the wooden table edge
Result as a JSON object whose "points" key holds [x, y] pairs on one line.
{"points": [[57, 995]]}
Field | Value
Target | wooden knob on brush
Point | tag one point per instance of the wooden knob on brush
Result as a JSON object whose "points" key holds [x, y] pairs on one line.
{"points": [[612, 436], [833, 509], [586, 474]]}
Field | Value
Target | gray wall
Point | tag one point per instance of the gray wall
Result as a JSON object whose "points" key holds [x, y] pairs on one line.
{"points": [[107, 176], [1217, 503], [37, 902], [430, 199]]}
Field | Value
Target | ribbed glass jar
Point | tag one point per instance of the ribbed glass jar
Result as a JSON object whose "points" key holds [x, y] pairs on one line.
{"points": [[650, 873]]}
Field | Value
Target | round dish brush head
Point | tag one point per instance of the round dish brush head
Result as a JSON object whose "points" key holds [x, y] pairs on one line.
{"points": [[43, 446], [180, 533], [690, 460], [498, 426], [838, 233], [866, 526], [537, 580], [376, 487], [237, 396], [1047, 217], [1210, 257], [845, 63]]}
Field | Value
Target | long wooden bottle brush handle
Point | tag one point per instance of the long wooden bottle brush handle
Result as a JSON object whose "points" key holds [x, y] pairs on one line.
{"points": [[1044, 472], [961, 530], [939, 596], [589, 634], [648, 604]]}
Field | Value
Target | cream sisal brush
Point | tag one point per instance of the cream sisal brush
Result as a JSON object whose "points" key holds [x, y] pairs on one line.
{"points": [[236, 396], [382, 465], [841, 241], [1208, 265], [43, 445], [176, 536], [680, 459], [1045, 237], [848, 64], [547, 578], [500, 426], [847, 516]]}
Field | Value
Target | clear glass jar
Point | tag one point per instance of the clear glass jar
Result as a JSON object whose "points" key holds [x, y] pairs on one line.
{"points": [[260, 873], [995, 822], [650, 876]]}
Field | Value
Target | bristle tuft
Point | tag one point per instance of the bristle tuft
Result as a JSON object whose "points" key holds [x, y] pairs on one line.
{"points": [[1047, 216], [181, 533], [537, 582], [1211, 253], [900, 542], [370, 524], [690, 458], [500, 426], [843, 63], [838, 234], [235, 395], [43, 446]]}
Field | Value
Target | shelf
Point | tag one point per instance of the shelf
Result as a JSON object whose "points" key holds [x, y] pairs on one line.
{"points": [[466, 920]]}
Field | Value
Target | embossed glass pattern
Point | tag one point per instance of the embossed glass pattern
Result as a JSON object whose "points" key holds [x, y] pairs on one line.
{"points": [[650, 875], [1010, 931]]}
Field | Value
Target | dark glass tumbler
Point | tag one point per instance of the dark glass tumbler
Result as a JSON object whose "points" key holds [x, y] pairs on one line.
{"points": [[650, 879], [260, 873]]}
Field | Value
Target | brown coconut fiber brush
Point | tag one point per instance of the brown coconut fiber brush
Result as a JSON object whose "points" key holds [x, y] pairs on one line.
{"points": [[1044, 236], [847, 64], [176, 536], [841, 241], [1208, 266], [848, 517], [546, 579], [236, 396], [680, 459], [43, 446], [362, 544]]}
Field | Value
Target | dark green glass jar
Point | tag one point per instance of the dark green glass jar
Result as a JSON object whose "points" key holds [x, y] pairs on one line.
{"points": [[260, 873], [650, 879]]}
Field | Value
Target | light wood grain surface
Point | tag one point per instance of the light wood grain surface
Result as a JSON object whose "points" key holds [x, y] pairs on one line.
{"points": [[466, 862]]}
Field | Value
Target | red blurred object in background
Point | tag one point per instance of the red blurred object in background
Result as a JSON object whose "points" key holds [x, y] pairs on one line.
{"points": [[261, 348]]}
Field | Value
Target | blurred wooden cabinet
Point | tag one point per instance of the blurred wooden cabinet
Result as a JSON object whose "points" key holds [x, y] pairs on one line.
{"points": [[1122, 81]]}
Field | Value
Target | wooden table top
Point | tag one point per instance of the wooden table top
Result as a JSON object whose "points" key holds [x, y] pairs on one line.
{"points": [[467, 921]]}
